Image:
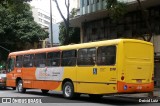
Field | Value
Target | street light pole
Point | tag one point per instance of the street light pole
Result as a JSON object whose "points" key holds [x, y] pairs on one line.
{"points": [[51, 32]]}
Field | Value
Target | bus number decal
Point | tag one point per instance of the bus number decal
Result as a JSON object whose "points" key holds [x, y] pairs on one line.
{"points": [[112, 69]]}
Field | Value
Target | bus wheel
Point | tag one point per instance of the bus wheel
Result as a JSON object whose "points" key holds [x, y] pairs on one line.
{"points": [[20, 87], [95, 96], [44, 91], [68, 90]]}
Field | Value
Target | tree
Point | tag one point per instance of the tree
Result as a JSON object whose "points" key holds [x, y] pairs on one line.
{"points": [[74, 35], [66, 20], [145, 16], [17, 26], [14, 5], [117, 9]]}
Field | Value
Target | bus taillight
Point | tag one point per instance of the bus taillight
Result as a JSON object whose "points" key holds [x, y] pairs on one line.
{"points": [[152, 77]]}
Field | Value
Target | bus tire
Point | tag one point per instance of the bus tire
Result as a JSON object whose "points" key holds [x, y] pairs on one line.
{"points": [[68, 90], [95, 96], [20, 88], [44, 91]]}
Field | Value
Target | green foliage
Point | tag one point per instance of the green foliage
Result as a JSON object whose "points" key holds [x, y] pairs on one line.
{"points": [[73, 13], [116, 9], [74, 35], [17, 26]]}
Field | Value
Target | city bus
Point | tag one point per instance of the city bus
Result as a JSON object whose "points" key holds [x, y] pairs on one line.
{"points": [[96, 68]]}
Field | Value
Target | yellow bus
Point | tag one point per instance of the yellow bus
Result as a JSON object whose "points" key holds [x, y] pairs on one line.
{"points": [[95, 68]]}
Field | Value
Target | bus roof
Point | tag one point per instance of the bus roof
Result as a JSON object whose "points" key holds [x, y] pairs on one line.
{"points": [[77, 46]]}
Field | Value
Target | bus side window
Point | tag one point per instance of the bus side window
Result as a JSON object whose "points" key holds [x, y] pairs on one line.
{"points": [[19, 61], [106, 55], [28, 60], [40, 60], [69, 58], [87, 56], [53, 59], [10, 64]]}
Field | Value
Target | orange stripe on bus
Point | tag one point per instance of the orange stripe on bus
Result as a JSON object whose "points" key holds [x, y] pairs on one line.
{"points": [[134, 87]]}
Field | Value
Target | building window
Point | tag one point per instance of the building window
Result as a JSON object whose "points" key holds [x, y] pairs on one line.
{"points": [[40, 20], [39, 13], [28, 60], [46, 22], [106, 55], [45, 16], [83, 3], [19, 61], [53, 59], [40, 60], [87, 2], [97, 1], [91, 1], [87, 56], [69, 58]]}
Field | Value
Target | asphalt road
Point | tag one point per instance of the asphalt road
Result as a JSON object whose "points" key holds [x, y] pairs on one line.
{"points": [[56, 99]]}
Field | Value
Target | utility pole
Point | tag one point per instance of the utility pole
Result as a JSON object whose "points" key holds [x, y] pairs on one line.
{"points": [[51, 32]]}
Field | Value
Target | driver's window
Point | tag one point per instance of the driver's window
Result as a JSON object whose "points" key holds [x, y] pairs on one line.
{"points": [[10, 64]]}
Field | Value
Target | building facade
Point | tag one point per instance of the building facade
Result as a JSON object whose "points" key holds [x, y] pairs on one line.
{"points": [[43, 19], [95, 23]]}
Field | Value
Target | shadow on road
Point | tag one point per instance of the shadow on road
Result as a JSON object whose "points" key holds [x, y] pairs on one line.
{"points": [[5, 89], [112, 100]]}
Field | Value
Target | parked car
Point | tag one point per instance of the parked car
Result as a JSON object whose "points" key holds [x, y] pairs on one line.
{"points": [[3, 80]]}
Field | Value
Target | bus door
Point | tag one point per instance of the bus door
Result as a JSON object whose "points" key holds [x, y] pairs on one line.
{"points": [[10, 72], [18, 66], [28, 70]]}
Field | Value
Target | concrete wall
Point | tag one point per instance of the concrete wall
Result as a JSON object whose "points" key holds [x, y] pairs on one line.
{"points": [[156, 42]]}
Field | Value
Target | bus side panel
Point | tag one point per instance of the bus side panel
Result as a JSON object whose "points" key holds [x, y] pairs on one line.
{"points": [[69, 74], [48, 85], [12, 76], [96, 88], [96, 80], [48, 77], [28, 76]]}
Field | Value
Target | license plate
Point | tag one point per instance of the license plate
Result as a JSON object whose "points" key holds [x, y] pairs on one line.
{"points": [[139, 81]]}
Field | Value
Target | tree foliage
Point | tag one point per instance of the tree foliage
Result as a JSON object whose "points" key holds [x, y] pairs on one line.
{"points": [[118, 9], [66, 20], [74, 35], [17, 26]]}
